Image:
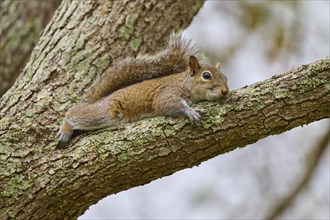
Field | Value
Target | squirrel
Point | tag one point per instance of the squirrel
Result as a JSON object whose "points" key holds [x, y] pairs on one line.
{"points": [[168, 90]]}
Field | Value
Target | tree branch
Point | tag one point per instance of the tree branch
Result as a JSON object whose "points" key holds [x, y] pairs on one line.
{"points": [[36, 176], [21, 23]]}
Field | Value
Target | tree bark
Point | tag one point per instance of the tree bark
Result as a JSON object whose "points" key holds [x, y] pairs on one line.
{"points": [[21, 24], [82, 39], [39, 180]]}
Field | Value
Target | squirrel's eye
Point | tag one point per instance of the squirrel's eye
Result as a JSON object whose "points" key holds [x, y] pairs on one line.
{"points": [[207, 75]]}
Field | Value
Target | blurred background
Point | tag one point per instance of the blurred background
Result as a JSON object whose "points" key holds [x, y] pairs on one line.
{"points": [[284, 176], [280, 177]]}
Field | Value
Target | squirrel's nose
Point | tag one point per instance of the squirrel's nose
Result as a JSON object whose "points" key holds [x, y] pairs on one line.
{"points": [[224, 91]]}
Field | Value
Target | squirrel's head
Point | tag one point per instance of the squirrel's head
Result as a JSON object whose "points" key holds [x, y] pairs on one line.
{"points": [[208, 82]]}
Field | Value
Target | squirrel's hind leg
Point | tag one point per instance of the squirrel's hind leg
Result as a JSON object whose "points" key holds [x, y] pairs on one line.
{"points": [[85, 117]]}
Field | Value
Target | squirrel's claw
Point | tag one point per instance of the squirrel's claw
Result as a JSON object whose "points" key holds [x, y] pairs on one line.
{"points": [[63, 136], [65, 132]]}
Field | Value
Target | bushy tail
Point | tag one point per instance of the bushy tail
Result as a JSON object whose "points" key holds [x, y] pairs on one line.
{"points": [[173, 59]]}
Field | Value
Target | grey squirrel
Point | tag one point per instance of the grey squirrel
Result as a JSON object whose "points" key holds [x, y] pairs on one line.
{"points": [[163, 84]]}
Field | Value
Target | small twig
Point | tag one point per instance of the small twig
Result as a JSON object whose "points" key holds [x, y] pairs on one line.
{"points": [[312, 161]]}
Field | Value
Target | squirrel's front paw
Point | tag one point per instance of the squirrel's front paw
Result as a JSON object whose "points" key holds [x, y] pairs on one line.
{"points": [[194, 116]]}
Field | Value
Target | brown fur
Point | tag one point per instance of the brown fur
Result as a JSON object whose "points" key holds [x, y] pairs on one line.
{"points": [[173, 59]]}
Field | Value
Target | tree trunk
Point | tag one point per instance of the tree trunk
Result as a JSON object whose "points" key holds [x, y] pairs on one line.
{"points": [[21, 24], [82, 39], [40, 181]]}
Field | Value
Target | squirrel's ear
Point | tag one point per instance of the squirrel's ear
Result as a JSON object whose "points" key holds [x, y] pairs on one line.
{"points": [[193, 65], [217, 66]]}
